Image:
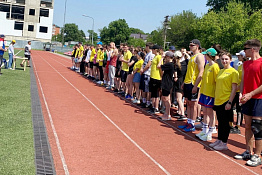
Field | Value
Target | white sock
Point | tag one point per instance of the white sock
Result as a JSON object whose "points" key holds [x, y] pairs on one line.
{"points": [[205, 128]]}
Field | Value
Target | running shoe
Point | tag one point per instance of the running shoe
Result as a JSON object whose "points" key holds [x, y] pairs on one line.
{"points": [[221, 146], [190, 128], [156, 111], [215, 143], [244, 156], [181, 118], [200, 134], [235, 130], [254, 161], [206, 137], [183, 126], [199, 119]]}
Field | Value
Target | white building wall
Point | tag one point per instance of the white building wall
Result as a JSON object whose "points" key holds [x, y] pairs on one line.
{"points": [[45, 22], [7, 26]]}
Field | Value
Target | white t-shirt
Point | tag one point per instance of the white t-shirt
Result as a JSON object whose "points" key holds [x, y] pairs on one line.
{"points": [[11, 49], [27, 49], [88, 55], [149, 57]]}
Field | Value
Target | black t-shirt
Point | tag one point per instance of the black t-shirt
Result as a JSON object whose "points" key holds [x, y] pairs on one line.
{"points": [[167, 79], [183, 68], [133, 58], [178, 71], [118, 63]]}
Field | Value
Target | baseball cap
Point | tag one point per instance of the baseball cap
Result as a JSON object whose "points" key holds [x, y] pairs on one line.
{"points": [[2, 36], [177, 54], [196, 41], [99, 43], [172, 48], [210, 51], [242, 53], [13, 41], [156, 47], [169, 54]]}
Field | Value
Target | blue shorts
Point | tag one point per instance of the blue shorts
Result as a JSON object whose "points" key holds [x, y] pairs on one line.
{"points": [[206, 101], [76, 60], [137, 78], [253, 107]]}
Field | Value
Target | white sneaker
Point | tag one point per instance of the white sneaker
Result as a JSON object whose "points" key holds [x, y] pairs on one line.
{"points": [[215, 143], [206, 137], [214, 131], [221, 146], [200, 134]]}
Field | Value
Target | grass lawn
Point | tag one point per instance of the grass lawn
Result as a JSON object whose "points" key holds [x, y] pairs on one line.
{"points": [[16, 130]]}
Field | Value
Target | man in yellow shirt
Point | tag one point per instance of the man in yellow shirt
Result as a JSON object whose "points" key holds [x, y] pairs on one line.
{"points": [[192, 82], [125, 68], [80, 56]]}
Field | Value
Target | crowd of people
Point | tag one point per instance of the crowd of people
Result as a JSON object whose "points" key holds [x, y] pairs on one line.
{"points": [[206, 80]]}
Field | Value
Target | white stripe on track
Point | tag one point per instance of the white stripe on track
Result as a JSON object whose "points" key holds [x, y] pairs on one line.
{"points": [[177, 129], [129, 138], [52, 125]]}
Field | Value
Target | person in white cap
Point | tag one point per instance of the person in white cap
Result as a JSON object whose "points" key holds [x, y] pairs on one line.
{"points": [[241, 55]]}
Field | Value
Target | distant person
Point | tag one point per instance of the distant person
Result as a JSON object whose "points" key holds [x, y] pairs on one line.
{"points": [[11, 53], [2, 50], [172, 49], [27, 54]]}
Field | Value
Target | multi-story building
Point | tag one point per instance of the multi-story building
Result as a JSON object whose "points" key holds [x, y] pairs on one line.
{"points": [[56, 30], [26, 19]]}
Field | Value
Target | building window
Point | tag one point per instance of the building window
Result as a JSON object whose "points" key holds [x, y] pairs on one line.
{"points": [[17, 12], [43, 29], [31, 28], [44, 12], [19, 25], [32, 12]]}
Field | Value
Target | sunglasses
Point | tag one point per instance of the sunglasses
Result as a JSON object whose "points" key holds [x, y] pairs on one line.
{"points": [[191, 45], [246, 48]]}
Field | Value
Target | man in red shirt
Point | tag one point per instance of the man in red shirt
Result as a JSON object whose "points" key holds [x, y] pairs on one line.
{"points": [[251, 98]]}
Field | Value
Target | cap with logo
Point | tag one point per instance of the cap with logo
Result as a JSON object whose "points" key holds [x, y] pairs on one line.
{"points": [[210, 51]]}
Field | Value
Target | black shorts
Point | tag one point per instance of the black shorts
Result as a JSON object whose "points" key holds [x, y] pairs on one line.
{"points": [[165, 92], [96, 65], [104, 63], [178, 84], [188, 92], [91, 64], [117, 74], [28, 57], [123, 75], [86, 64], [252, 107], [154, 87]]}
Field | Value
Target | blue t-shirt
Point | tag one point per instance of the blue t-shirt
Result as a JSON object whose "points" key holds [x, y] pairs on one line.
{"points": [[2, 44]]}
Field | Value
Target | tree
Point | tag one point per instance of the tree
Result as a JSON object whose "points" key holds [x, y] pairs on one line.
{"points": [[57, 37], [136, 42], [117, 31], [156, 37], [136, 31], [73, 34], [90, 32], [218, 5]]}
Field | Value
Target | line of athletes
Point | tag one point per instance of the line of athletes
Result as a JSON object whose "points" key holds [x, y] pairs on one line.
{"points": [[202, 77]]}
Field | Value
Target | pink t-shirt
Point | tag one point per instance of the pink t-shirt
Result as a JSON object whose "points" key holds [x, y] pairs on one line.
{"points": [[252, 76], [113, 61]]}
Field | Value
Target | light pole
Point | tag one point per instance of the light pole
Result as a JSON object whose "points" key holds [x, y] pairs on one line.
{"points": [[92, 27], [63, 33], [166, 23]]}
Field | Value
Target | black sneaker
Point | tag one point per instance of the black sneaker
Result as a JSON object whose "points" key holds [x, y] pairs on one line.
{"points": [[155, 111], [181, 118], [116, 90], [244, 156], [199, 119], [235, 130]]}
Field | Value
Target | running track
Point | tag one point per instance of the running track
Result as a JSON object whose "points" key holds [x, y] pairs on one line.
{"points": [[93, 131]]}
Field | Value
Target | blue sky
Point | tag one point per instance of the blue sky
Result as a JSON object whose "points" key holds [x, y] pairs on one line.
{"points": [[146, 15]]}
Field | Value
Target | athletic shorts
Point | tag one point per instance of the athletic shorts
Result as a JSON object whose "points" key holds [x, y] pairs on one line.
{"points": [[144, 83], [118, 73], [75, 60], [178, 85], [86, 64], [104, 63], [206, 101], [107, 67], [188, 92], [123, 75], [154, 87], [79, 60], [91, 64], [165, 93], [252, 107], [96, 65], [28, 57], [137, 78]]}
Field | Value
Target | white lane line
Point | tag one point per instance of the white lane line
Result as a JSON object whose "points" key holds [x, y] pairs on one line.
{"points": [[52, 125], [177, 129], [129, 138]]}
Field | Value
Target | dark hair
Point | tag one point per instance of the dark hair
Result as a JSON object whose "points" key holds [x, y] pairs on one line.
{"points": [[226, 53], [253, 43], [217, 47]]}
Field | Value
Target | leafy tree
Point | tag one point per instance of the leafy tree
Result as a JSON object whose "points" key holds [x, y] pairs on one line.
{"points": [[156, 37], [57, 37], [90, 32], [136, 31], [72, 33], [181, 32], [117, 31], [136, 42]]}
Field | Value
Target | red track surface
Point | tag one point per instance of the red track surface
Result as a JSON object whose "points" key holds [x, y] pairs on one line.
{"points": [[99, 133]]}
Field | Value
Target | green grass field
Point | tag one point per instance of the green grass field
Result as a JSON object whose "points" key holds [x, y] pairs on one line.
{"points": [[16, 131]]}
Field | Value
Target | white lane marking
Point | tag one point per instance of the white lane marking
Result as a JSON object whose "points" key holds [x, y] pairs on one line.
{"points": [[52, 125], [188, 135], [129, 138]]}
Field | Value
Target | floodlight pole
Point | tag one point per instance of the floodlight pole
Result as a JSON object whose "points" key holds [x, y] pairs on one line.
{"points": [[92, 27]]}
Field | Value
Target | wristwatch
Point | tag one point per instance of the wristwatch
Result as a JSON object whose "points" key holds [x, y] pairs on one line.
{"points": [[229, 102]]}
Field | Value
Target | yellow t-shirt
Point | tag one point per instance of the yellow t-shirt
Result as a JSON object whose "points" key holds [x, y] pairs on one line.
{"points": [[81, 51], [77, 52], [240, 70], [155, 72], [138, 65], [127, 56], [100, 57], [208, 84], [224, 81], [192, 71], [92, 55]]}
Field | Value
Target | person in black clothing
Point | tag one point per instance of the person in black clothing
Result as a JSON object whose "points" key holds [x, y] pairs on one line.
{"points": [[130, 76], [83, 63], [167, 83], [118, 70]]}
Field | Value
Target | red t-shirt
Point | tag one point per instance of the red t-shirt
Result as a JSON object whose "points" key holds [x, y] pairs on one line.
{"points": [[113, 61], [252, 76]]}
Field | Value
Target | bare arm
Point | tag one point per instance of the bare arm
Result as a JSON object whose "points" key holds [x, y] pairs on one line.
{"points": [[200, 60], [232, 96]]}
